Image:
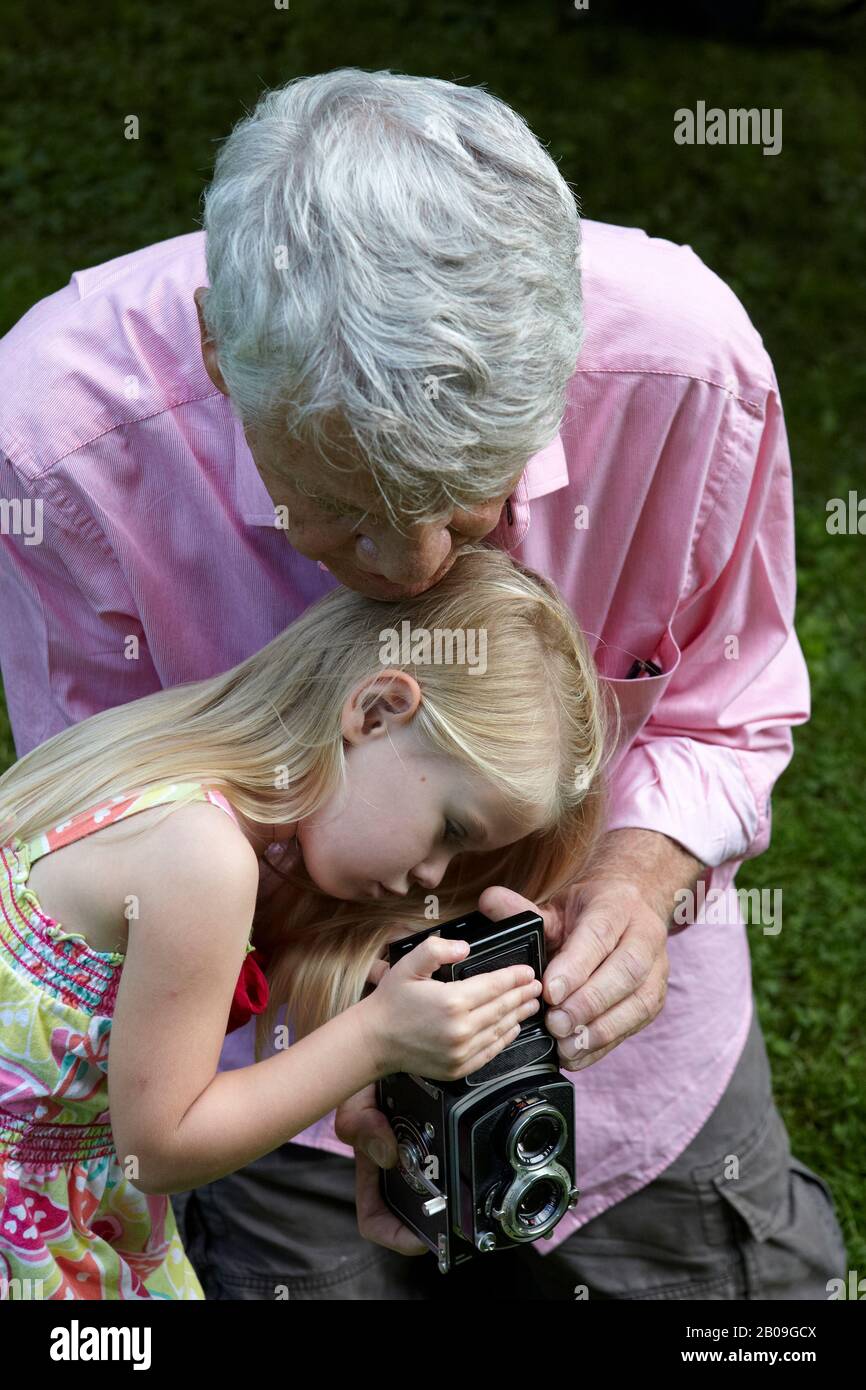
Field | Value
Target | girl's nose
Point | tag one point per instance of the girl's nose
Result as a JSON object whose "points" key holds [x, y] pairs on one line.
{"points": [[431, 872]]}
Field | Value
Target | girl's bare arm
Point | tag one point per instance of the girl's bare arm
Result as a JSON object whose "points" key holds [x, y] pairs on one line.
{"points": [[177, 1122]]}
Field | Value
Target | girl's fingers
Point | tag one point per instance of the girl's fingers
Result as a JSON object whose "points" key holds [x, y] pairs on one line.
{"points": [[493, 1038], [482, 989], [490, 1045], [377, 972], [501, 1009], [430, 954]]}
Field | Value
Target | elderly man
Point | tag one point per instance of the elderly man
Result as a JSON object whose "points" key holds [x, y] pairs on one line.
{"points": [[388, 342]]}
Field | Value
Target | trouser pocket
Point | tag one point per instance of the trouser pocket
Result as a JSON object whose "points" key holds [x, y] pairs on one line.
{"points": [[778, 1213], [751, 1178]]}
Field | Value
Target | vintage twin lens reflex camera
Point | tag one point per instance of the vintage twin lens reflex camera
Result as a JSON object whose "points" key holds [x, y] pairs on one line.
{"points": [[487, 1162]]}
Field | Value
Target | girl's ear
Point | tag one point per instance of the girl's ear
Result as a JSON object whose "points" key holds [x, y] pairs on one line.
{"points": [[391, 696]]}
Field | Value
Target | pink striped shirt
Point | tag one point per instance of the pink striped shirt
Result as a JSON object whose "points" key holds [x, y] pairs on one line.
{"points": [[662, 509]]}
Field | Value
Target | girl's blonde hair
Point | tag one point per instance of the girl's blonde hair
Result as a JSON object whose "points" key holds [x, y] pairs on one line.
{"points": [[530, 721]]}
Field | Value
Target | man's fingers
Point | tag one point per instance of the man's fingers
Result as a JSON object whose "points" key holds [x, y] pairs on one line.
{"points": [[351, 1110], [360, 1123], [612, 983], [585, 1059], [497, 903], [586, 1043], [372, 1135], [594, 938], [616, 981], [375, 1221]]}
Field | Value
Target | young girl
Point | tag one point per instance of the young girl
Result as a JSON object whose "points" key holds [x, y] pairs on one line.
{"points": [[405, 756]]}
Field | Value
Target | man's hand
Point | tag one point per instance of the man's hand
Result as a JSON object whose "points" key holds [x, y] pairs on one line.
{"points": [[608, 976], [610, 971], [360, 1122]]}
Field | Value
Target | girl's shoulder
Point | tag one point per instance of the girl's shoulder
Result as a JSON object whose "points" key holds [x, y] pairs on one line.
{"points": [[86, 885]]}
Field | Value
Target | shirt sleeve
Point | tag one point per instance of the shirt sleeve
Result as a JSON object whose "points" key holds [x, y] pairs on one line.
{"points": [[68, 615], [702, 768]]}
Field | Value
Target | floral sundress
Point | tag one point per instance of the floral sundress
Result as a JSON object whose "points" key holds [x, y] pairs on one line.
{"points": [[72, 1225]]}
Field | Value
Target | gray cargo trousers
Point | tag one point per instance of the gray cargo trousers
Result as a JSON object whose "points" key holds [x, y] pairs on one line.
{"points": [[285, 1226]]}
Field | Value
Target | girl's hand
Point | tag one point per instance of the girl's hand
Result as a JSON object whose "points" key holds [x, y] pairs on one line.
{"points": [[446, 1030]]}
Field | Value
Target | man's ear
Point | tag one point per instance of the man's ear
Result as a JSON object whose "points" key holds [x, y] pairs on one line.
{"points": [[199, 296], [208, 347]]}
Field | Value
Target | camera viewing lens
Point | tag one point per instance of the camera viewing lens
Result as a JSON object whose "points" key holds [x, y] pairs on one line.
{"points": [[538, 1133], [537, 1141]]}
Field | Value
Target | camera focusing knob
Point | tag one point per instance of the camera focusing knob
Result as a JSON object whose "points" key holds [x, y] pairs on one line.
{"points": [[411, 1159]]}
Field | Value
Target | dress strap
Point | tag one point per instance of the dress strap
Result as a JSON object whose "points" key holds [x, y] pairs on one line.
{"points": [[117, 808]]}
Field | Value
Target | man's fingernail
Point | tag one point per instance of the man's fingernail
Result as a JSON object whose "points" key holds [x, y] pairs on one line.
{"points": [[558, 1023], [378, 1153], [557, 990]]}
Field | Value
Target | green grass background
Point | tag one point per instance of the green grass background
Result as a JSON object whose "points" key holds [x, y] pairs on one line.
{"points": [[786, 232]]}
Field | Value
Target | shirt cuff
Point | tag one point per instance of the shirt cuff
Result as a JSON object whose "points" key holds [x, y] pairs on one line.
{"points": [[695, 793]]}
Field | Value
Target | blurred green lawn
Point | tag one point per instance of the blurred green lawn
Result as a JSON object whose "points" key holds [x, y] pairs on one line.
{"points": [[786, 232]]}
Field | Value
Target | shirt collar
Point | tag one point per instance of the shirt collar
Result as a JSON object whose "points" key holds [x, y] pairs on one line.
{"points": [[545, 472]]}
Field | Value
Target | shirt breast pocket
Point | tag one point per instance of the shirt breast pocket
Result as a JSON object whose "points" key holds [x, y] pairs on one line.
{"points": [[631, 702]]}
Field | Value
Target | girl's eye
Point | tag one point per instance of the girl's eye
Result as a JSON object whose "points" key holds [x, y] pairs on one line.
{"points": [[453, 832]]}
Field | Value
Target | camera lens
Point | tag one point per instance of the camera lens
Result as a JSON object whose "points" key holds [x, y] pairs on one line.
{"points": [[536, 1206], [537, 1140], [536, 1136], [533, 1203]]}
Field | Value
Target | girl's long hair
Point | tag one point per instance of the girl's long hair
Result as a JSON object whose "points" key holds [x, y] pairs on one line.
{"points": [[529, 719]]}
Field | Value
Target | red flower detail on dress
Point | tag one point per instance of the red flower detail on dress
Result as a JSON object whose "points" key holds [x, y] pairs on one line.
{"points": [[251, 991], [27, 1217]]}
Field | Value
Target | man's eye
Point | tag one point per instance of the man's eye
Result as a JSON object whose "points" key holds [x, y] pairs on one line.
{"points": [[335, 510], [351, 518]]}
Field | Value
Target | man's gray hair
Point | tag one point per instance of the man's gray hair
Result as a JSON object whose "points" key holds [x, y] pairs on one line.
{"points": [[394, 264]]}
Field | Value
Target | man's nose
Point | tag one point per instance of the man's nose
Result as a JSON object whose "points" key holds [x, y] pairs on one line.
{"points": [[403, 559]]}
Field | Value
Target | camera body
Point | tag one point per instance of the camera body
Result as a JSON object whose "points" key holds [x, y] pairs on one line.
{"points": [[486, 1162]]}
